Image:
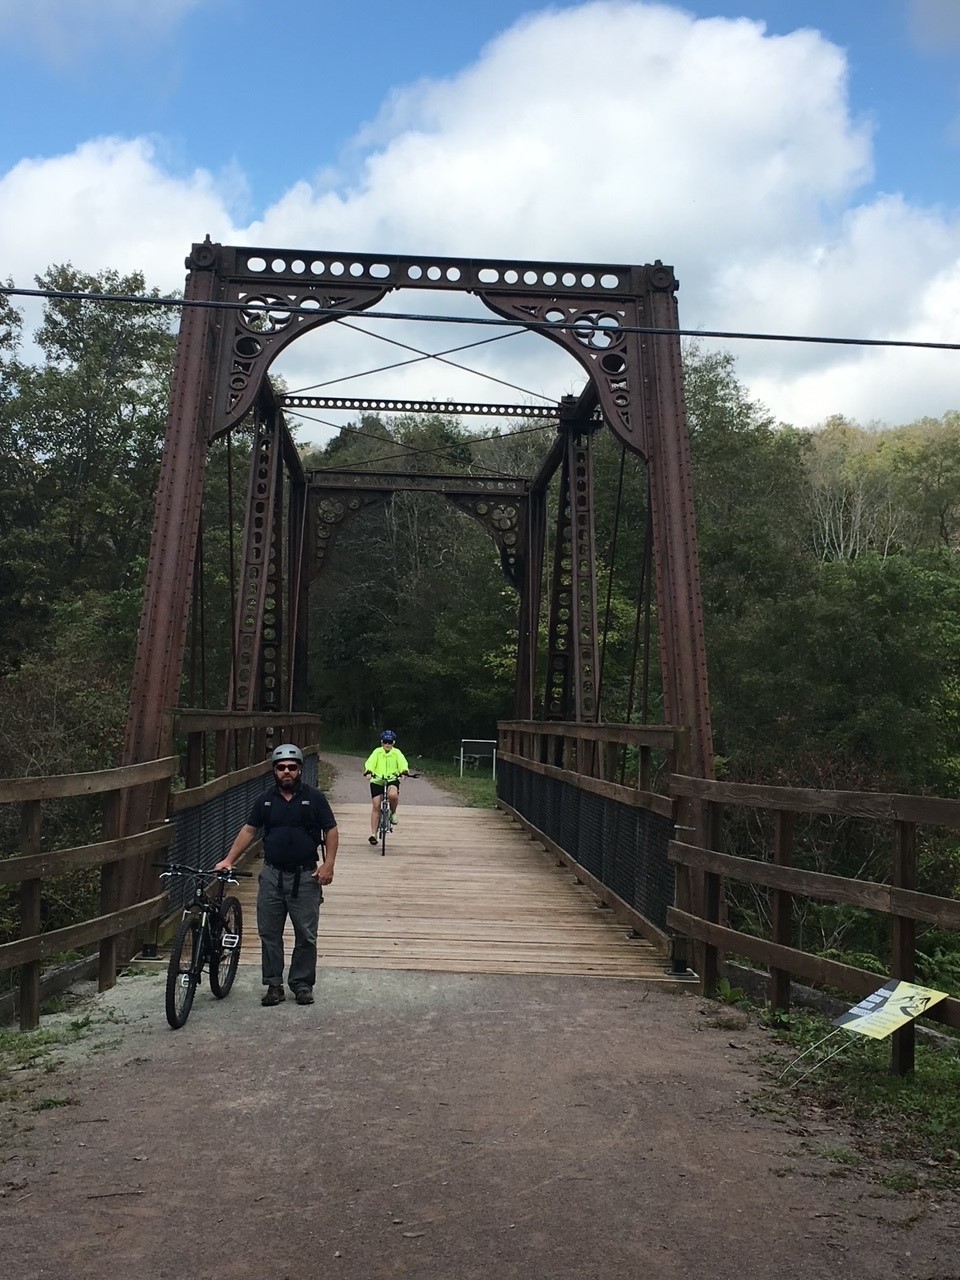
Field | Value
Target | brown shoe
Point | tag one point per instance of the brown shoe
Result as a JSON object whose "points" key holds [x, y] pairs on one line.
{"points": [[273, 995], [304, 997]]}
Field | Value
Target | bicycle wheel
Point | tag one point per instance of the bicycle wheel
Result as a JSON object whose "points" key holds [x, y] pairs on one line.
{"points": [[226, 950], [183, 972], [384, 825]]}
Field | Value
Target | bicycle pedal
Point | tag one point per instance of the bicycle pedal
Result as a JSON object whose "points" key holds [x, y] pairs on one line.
{"points": [[230, 941]]}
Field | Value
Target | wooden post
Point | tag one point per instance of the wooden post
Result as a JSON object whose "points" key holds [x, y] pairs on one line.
{"points": [[904, 950], [781, 908], [710, 963], [194, 765], [30, 917], [109, 892]]}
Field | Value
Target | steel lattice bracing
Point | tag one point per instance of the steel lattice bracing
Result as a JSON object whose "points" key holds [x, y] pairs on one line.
{"points": [[261, 300]]}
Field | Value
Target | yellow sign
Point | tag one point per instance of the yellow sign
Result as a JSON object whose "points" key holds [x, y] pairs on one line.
{"points": [[892, 1006]]}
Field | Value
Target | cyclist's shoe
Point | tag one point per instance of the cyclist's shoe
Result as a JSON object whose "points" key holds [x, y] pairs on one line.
{"points": [[393, 819], [273, 995], [304, 996], [372, 839]]}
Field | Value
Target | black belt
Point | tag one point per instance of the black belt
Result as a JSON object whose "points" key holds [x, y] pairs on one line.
{"points": [[296, 868]]}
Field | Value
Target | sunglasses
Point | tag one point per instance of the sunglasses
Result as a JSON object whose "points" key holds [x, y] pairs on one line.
{"points": [[286, 768]]}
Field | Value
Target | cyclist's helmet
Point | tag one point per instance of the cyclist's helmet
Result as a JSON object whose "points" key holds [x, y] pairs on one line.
{"points": [[287, 751], [388, 736]]}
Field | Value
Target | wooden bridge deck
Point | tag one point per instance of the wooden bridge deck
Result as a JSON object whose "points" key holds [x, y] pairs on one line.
{"points": [[463, 891]]}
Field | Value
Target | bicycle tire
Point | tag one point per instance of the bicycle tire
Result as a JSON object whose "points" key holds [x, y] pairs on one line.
{"points": [[224, 961], [183, 972], [384, 827]]}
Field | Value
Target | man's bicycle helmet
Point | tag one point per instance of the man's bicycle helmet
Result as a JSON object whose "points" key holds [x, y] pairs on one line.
{"points": [[287, 751], [388, 736]]}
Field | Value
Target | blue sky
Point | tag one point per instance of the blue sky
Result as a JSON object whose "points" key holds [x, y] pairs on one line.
{"points": [[801, 168]]}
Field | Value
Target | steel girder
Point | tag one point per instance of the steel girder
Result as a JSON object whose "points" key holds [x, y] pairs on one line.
{"points": [[498, 506]]}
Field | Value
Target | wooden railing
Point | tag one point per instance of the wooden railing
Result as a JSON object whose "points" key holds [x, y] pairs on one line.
{"points": [[596, 757], [215, 741], [707, 868], [221, 742], [32, 866]]}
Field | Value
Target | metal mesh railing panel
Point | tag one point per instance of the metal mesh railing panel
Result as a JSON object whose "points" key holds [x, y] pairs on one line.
{"points": [[624, 847]]}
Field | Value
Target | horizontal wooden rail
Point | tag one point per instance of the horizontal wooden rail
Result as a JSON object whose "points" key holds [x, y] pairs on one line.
{"points": [[884, 898], [40, 866], [931, 810], [67, 785], [180, 801], [597, 786], [43, 945], [816, 969], [648, 735], [197, 720]]}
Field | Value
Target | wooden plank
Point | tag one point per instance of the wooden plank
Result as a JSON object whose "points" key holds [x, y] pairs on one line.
{"points": [[59, 861], [650, 735], [193, 796], [462, 891], [943, 912], [59, 786], [933, 810], [855, 982], [197, 720], [42, 946], [609, 790]]}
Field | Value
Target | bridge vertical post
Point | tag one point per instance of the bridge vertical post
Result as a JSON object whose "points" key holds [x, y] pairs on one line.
{"points": [[298, 586], [158, 664]]}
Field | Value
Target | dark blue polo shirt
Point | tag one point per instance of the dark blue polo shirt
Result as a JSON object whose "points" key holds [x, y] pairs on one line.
{"points": [[293, 828]]}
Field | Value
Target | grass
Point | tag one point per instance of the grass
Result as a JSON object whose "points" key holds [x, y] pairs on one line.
{"points": [[476, 789], [904, 1130], [23, 1049]]}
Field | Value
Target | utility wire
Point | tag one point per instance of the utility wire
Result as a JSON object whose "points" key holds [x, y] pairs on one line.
{"points": [[427, 355], [535, 326]]}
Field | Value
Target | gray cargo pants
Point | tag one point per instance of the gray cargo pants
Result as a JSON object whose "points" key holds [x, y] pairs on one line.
{"points": [[275, 902]]}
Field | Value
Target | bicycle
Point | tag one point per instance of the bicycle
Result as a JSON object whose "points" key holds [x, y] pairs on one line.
{"points": [[384, 824], [209, 935]]}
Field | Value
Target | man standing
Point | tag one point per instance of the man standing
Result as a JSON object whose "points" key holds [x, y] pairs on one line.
{"points": [[385, 766], [300, 836]]}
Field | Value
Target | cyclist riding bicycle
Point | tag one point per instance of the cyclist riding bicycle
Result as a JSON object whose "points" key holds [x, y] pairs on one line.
{"points": [[385, 766]]}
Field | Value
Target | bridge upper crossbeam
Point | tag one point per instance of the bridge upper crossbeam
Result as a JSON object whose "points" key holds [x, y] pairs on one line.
{"points": [[459, 407], [392, 482], [397, 271]]}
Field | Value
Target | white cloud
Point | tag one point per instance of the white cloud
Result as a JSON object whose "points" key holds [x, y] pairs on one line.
{"points": [[610, 132]]}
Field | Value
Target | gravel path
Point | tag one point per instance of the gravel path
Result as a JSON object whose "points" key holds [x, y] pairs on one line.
{"points": [[351, 787]]}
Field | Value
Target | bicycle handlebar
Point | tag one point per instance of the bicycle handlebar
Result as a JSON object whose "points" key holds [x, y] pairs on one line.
{"points": [[177, 869]]}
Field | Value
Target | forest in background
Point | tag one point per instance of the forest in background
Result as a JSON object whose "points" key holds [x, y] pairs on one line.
{"points": [[829, 563]]}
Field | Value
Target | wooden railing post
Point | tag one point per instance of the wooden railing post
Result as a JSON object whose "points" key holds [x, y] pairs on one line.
{"points": [[109, 892], [904, 944], [30, 917], [781, 908], [710, 961], [193, 772]]}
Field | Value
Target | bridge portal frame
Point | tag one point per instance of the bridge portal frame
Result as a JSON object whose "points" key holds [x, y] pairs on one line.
{"points": [[620, 323]]}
